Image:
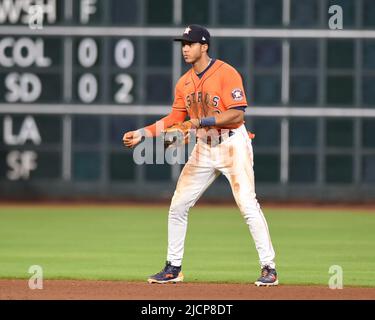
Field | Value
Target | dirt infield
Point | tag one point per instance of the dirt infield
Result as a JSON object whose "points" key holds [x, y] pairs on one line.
{"points": [[121, 290], [287, 205]]}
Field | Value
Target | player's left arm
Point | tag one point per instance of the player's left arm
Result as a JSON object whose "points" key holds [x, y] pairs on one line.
{"points": [[228, 117]]}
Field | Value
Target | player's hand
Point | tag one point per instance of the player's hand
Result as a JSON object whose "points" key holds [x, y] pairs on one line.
{"points": [[132, 138], [179, 133], [195, 123]]}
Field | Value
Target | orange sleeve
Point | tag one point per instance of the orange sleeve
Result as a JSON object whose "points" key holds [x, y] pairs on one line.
{"points": [[233, 93], [175, 116], [179, 102]]}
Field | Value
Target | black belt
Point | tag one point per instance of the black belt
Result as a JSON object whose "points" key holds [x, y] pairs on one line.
{"points": [[221, 138], [230, 133]]}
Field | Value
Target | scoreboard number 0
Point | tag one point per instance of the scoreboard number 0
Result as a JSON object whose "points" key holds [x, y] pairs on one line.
{"points": [[87, 52], [124, 53], [87, 88]]}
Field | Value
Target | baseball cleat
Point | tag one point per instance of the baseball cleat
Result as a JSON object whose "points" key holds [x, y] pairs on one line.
{"points": [[268, 277], [170, 274]]}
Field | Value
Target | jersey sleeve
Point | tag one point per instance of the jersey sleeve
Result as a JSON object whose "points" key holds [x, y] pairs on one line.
{"points": [[174, 117], [179, 102], [233, 93]]}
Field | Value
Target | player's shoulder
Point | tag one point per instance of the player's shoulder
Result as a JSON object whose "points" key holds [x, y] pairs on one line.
{"points": [[226, 68]]}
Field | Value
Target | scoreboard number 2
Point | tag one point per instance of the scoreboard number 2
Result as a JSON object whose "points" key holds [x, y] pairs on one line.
{"points": [[123, 94]]}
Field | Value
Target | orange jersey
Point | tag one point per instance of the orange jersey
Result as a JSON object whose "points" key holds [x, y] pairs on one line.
{"points": [[219, 89]]}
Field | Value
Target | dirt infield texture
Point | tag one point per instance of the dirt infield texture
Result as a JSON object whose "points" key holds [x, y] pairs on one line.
{"points": [[121, 290]]}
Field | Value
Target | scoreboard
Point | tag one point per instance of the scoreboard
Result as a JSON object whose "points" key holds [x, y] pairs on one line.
{"points": [[68, 81], [76, 74], [38, 70]]}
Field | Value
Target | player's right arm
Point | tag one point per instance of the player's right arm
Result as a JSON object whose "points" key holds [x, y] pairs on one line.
{"points": [[178, 114]]}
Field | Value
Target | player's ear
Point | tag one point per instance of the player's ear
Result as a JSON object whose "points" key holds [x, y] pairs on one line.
{"points": [[205, 47]]}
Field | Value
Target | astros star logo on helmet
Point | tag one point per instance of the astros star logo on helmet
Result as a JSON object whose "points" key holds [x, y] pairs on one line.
{"points": [[187, 30]]}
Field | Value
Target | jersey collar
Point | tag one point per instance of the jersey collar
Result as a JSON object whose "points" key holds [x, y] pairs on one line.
{"points": [[214, 65]]}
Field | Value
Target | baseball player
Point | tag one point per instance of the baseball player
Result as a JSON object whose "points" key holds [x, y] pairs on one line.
{"points": [[211, 93]]}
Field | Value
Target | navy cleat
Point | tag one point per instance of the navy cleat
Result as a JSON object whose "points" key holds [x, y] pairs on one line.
{"points": [[170, 274], [268, 277]]}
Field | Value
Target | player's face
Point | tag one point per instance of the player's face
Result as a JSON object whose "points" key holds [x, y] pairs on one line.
{"points": [[191, 52]]}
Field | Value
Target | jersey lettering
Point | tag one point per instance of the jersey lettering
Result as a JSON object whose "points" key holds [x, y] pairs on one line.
{"points": [[196, 98], [216, 101]]}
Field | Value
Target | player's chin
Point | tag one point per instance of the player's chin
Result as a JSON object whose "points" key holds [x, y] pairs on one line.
{"points": [[188, 60]]}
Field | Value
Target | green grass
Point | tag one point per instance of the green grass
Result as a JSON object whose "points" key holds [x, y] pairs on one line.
{"points": [[129, 243]]}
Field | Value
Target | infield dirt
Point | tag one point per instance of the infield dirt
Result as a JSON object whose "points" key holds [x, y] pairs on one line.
{"points": [[121, 290]]}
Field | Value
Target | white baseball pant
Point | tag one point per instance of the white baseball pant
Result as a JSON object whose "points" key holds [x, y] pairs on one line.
{"points": [[233, 158]]}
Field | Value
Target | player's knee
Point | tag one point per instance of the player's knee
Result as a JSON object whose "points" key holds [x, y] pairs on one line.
{"points": [[178, 215], [179, 207]]}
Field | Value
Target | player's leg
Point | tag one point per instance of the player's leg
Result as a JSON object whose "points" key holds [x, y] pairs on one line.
{"points": [[196, 176], [237, 166], [192, 182]]}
